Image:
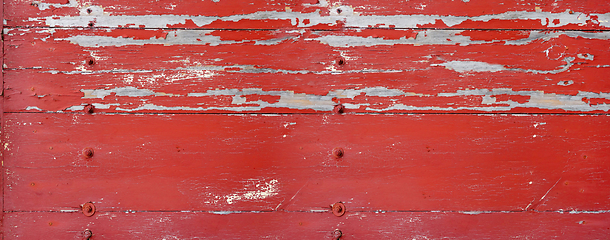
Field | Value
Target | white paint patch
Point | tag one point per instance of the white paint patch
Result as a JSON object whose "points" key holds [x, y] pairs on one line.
{"points": [[292, 100], [474, 66], [261, 190], [178, 37], [122, 92], [471, 66], [425, 37], [33, 108], [44, 6], [349, 20], [450, 37]]}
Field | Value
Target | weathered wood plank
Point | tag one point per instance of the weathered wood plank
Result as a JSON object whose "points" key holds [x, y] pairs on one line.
{"points": [[534, 52], [209, 91], [269, 14], [270, 162], [279, 225], [523, 71]]}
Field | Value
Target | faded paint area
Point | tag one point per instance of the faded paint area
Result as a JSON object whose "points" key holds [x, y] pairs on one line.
{"points": [[474, 66], [44, 6], [451, 37], [292, 100], [178, 37], [471, 66], [551, 20], [122, 92], [426, 37], [254, 190]]}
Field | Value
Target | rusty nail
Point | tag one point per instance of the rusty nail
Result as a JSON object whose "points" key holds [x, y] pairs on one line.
{"points": [[88, 234], [88, 152], [89, 10], [339, 10], [338, 209], [337, 234], [338, 109], [90, 24], [88, 209], [338, 152], [341, 61], [89, 108], [91, 60]]}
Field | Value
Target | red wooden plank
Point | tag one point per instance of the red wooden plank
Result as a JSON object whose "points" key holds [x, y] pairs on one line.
{"points": [[188, 91], [259, 162], [242, 77], [279, 225], [269, 14], [531, 52]]}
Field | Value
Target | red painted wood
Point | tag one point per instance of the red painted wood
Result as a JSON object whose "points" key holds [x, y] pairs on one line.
{"points": [[33, 91], [556, 75], [264, 163], [403, 176], [584, 14], [316, 52], [278, 225]]}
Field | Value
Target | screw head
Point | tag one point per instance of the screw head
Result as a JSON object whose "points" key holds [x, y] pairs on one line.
{"points": [[338, 152], [340, 61], [338, 209], [89, 108], [90, 61], [338, 109], [87, 234], [88, 209], [88, 152], [337, 234]]}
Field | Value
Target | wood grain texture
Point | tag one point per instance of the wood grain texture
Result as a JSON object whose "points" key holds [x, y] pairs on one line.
{"points": [[213, 119], [277, 225], [378, 71], [269, 162], [323, 14]]}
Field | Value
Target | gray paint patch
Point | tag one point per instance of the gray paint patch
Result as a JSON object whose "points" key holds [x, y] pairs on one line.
{"points": [[398, 21], [179, 37], [426, 37], [471, 66], [121, 92], [292, 100]]}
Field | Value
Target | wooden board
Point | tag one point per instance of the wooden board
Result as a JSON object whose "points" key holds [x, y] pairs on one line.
{"points": [[269, 162], [281, 225], [463, 119], [307, 71], [322, 14]]}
